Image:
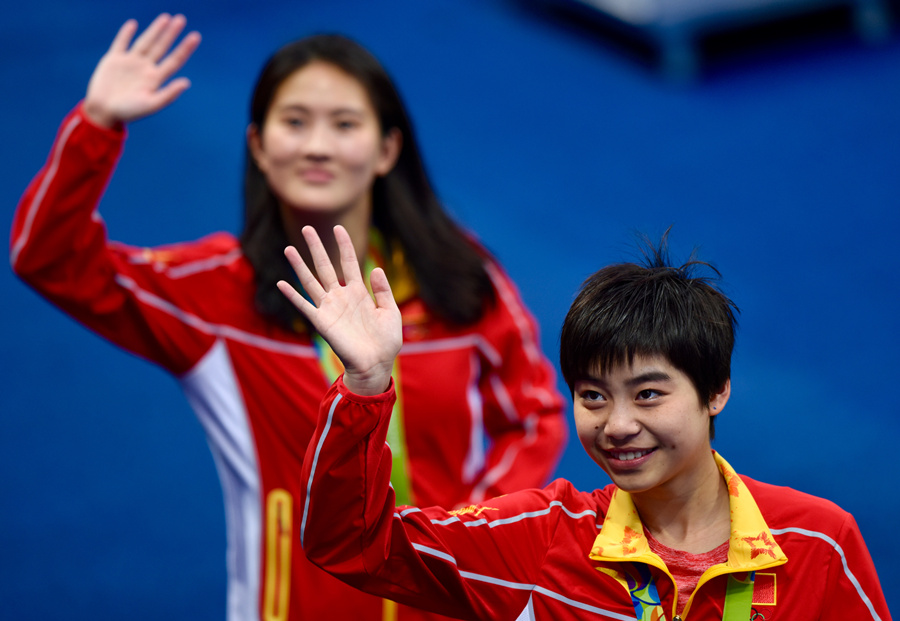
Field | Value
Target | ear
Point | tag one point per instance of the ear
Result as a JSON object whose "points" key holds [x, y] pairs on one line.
{"points": [[254, 143], [391, 145], [718, 400]]}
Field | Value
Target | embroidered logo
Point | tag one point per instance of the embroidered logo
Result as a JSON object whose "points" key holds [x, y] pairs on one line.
{"points": [[160, 259], [150, 255], [475, 510], [761, 544]]}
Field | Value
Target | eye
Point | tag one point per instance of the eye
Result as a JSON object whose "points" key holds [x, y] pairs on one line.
{"points": [[347, 124], [294, 121], [590, 396], [648, 393]]}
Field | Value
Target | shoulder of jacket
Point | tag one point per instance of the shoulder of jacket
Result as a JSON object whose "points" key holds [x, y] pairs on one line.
{"points": [[180, 259], [785, 507]]}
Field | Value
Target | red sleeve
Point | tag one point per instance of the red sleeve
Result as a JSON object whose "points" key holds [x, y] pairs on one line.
{"points": [[59, 246], [452, 563], [524, 412], [852, 589]]}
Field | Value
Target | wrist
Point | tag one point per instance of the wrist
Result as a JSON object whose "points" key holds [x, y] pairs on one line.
{"points": [[99, 117], [368, 384]]}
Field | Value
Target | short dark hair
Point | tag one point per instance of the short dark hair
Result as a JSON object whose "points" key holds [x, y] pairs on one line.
{"points": [[629, 309], [449, 271]]}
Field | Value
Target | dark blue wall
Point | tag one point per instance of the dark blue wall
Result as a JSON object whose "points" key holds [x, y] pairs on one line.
{"points": [[782, 165]]}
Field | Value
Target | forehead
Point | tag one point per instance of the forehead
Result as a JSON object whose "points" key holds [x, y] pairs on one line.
{"points": [[321, 85]]}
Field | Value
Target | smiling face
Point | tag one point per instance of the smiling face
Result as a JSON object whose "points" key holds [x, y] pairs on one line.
{"points": [[646, 426], [321, 145]]}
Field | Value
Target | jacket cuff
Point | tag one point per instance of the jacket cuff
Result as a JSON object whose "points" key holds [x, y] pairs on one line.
{"points": [[116, 133], [364, 399]]}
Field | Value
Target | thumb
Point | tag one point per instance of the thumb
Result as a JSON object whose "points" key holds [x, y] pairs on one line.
{"points": [[166, 95], [381, 289]]}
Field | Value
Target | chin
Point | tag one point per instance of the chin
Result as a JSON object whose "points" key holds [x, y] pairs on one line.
{"points": [[630, 484], [315, 206]]}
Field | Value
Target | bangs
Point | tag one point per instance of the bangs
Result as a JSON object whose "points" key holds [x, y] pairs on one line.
{"points": [[627, 310]]}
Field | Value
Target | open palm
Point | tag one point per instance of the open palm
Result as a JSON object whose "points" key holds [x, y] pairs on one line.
{"points": [[132, 79], [365, 333]]}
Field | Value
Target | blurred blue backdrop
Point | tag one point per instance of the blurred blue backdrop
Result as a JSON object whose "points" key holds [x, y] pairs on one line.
{"points": [[555, 143]]}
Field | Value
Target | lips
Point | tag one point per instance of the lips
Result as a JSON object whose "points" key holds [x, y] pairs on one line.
{"points": [[317, 175], [628, 458], [629, 455]]}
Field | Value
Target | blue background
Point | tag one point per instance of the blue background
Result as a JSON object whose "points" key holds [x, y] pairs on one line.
{"points": [[781, 164]]}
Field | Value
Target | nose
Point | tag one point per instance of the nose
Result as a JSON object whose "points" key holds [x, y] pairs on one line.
{"points": [[621, 422], [318, 144]]}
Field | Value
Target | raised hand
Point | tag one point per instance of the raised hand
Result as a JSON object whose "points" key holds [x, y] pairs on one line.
{"points": [[365, 334], [131, 81]]}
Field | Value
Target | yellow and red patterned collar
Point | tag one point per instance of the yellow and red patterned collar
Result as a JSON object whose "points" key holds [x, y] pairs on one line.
{"points": [[751, 546]]}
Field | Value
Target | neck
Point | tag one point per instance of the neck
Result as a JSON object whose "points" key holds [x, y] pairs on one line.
{"points": [[357, 223], [694, 519]]}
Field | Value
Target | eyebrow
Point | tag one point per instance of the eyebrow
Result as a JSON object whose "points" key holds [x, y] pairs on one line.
{"points": [[335, 112], [649, 376]]}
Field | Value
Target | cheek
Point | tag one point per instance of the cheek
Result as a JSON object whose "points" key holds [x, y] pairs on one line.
{"points": [[587, 428], [276, 149], [361, 156], [676, 432], [278, 155]]}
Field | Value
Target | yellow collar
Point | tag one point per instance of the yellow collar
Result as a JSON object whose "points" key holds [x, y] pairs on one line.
{"points": [[751, 546]]}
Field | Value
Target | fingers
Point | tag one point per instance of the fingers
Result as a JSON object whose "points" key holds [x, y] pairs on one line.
{"points": [[349, 262], [381, 289], [156, 41], [294, 297], [168, 93], [146, 39], [166, 37], [324, 269], [325, 278], [307, 280], [123, 37], [176, 59]]}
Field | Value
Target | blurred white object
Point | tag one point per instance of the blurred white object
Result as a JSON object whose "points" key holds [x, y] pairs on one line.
{"points": [[676, 23]]}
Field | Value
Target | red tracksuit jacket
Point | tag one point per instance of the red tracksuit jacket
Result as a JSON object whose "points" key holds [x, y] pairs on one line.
{"points": [[256, 387], [559, 553]]}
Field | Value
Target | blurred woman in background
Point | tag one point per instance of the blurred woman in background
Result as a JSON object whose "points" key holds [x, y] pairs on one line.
{"points": [[329, 142]]}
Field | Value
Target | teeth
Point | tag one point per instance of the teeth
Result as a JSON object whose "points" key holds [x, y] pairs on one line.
{"points": [[631, 455]]}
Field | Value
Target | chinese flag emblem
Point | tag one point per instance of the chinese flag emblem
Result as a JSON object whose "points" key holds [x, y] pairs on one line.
{"points": [[764, 590]]}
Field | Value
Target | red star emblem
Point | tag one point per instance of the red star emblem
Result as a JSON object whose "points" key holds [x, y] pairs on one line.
{"points": [[761, 544]]}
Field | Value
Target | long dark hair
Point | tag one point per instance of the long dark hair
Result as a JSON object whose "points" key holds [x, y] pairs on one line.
{"points": [[449, 271]]}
